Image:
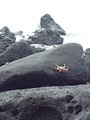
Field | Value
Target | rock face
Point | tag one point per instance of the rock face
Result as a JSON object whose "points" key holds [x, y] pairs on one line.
{"points": [[6, 32], [86, 56], [48, 22], [37, 70], [6, 38], [50, 32], [16, 51], [49, 103], [47, 37]]}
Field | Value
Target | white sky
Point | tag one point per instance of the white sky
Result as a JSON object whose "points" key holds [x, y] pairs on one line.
{"points": [[72, 15]]}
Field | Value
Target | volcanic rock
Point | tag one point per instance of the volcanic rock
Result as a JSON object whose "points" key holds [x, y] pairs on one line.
{"points": [[46, 37], [46, 103], [48, 22], [86, 56], [6, 38], [38, 70], [16, 51]]}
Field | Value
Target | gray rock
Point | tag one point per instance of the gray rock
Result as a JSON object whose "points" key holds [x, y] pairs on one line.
{"points": [[86, 56], [16, 51], [6, 33], [47, 37], [48, 22], [6, 38], [46, 103], [37, 70]]}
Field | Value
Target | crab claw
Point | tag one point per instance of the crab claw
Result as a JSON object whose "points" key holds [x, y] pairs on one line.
{"points": [[56, 65]]}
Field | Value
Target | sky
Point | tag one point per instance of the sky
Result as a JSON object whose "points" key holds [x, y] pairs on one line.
{"points": [[72, 15]]}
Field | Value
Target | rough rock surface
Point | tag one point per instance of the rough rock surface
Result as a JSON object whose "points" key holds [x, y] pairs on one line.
{"points": [[48, 22], [47, 37], [37, 70], [6, 32], [6, 38], [16, 51], [86, 56], [46, 103], [49, 33]]}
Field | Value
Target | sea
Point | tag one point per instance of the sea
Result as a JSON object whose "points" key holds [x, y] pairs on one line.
{"points": [[81, 39]]}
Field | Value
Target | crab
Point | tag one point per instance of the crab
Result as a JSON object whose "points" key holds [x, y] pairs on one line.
{"points": [[61, 69]]}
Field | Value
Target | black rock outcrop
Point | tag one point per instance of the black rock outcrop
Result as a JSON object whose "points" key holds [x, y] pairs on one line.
{"points": [[86, 56], [37, 70], [16, 51], [49, 32], [6, 38], [46, 103], [48, 22], [46, 37]]}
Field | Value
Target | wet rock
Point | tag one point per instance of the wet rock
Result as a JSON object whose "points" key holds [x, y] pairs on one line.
{"points": [[86, 56], [6, 38], [16, 51], [6, 32], [46, 37], [38, 70], [48, 22]]}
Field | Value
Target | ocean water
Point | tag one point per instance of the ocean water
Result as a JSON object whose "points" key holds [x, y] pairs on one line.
{"points": [[83, 40]]}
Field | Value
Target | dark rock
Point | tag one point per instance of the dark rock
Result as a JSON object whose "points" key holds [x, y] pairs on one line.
{"points": [[46, 37], [69, 98], [48, 22], [78, 108], [37, 70], [7, 33], [70, 109], [86, 56], [16, 51], [6, 38], [28, 104], [3, 47]]}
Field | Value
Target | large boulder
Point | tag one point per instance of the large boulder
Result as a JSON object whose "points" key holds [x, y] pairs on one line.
{"points": [[48, 22], [38, 70], [6, 32], [47, 37], [6, 38], [46, 103], [16, 51]]}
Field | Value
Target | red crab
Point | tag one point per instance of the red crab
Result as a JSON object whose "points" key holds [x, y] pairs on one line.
{"points": [[61, 69]]}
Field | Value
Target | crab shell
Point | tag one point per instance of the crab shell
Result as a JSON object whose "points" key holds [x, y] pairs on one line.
{"points": [[61, 69]]}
